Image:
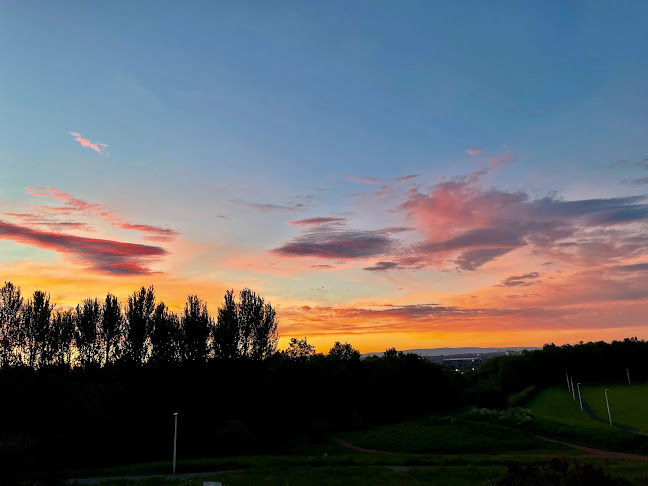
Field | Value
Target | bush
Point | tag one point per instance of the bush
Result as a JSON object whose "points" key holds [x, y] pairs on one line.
{"points": [[517, 417], [559, 473], [520, 398]]}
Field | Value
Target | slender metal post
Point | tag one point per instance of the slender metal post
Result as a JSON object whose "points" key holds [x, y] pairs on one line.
{"points": [[567, 376], [573, 391], [608, 407], [628, 373], [175, 437], [580, 399]]}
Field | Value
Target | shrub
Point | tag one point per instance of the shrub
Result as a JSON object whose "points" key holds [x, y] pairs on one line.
{"points": [[518, 417]]}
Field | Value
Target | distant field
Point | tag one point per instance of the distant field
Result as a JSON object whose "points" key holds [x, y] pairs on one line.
{"points": [[628, 403]]}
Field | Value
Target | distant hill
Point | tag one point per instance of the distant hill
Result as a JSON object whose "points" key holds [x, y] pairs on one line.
{"points": [[455, 351]]}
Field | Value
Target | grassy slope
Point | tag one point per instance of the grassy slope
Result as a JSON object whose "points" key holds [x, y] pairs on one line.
{"points": [[559, 416], [557, 404], [628, 403]]}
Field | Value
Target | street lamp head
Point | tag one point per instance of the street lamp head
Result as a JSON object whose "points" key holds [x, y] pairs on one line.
{"points": [[175, 413]]}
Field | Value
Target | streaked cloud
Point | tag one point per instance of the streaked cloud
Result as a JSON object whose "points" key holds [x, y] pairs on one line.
{"points": [[523, 280], [316, 221], [72, 205], [381, 267], [102, 256], [97, 147], [474, 150]]}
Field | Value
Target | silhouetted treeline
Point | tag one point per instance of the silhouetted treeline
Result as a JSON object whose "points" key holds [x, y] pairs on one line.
{"points": [[590, 362], [36, 334]]}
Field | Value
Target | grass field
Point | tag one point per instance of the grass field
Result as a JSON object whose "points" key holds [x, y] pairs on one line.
{"points": [[557, 404], [450, 436], [628, 403]]}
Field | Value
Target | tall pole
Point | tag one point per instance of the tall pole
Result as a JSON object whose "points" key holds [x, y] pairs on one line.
{"points": [[580, 399], [628, 373], [608, 407], [567, 376], [175, 437], [573, 391]]}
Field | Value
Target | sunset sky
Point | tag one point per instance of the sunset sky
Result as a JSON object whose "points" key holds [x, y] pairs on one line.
{"points": [[408, 174]]}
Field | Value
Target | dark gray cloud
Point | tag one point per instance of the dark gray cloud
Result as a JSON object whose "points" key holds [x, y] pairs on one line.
{"points": [[336, 243], [381, 267], [636, 267], [472, 260], [520, 280]]}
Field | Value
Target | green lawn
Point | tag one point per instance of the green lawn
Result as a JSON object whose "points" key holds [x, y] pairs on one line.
{"points": [[558, 415], [628, 403], [557, 404], [450, 436]]}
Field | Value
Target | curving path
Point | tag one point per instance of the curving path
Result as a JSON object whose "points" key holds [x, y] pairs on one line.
{"points": [[592, 453]]}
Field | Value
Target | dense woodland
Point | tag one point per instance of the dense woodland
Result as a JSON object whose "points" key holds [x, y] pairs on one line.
{"points": [[98, 384]]}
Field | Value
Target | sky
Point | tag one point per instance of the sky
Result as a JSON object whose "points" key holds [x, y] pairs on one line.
{"points": [[412, 174]]}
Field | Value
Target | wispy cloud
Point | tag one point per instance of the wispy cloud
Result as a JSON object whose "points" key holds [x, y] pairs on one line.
{"points": [[316, 221], [97, 147], [474, 150], [381, 267], [270, 208], [521, 280], [74, 205], [103, 256]]}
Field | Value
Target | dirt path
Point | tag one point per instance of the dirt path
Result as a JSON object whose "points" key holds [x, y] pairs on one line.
{"points": [[598, 453], [592, 453]]}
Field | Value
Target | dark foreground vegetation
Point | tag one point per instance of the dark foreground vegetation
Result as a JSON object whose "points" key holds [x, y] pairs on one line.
{"points": [[97, 386]]}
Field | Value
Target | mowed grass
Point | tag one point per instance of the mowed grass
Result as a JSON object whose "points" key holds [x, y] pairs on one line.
{"points": [[628, 403], [557, 404], [558, 415], [450, 436]]}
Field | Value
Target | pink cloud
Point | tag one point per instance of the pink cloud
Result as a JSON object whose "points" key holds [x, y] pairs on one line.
{"points": [[97, 147], [75, 205], [103, 256], [474, 150]]}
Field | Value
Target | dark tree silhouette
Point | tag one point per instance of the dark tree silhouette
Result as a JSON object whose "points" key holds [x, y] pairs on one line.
{"points": [[11, 303], [166, 336], [88, 322], [250, 315], [111, 327], [225, 339], [300, 349], [139, 314], [257, 326], [195, 326], [344, 352], [36, 326], [62, 335]]}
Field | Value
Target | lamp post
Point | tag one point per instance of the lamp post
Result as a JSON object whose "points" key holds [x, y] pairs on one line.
{"points": [[608, 407], [175, 437], [628, 373], [567, 376], [580, 399]]}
